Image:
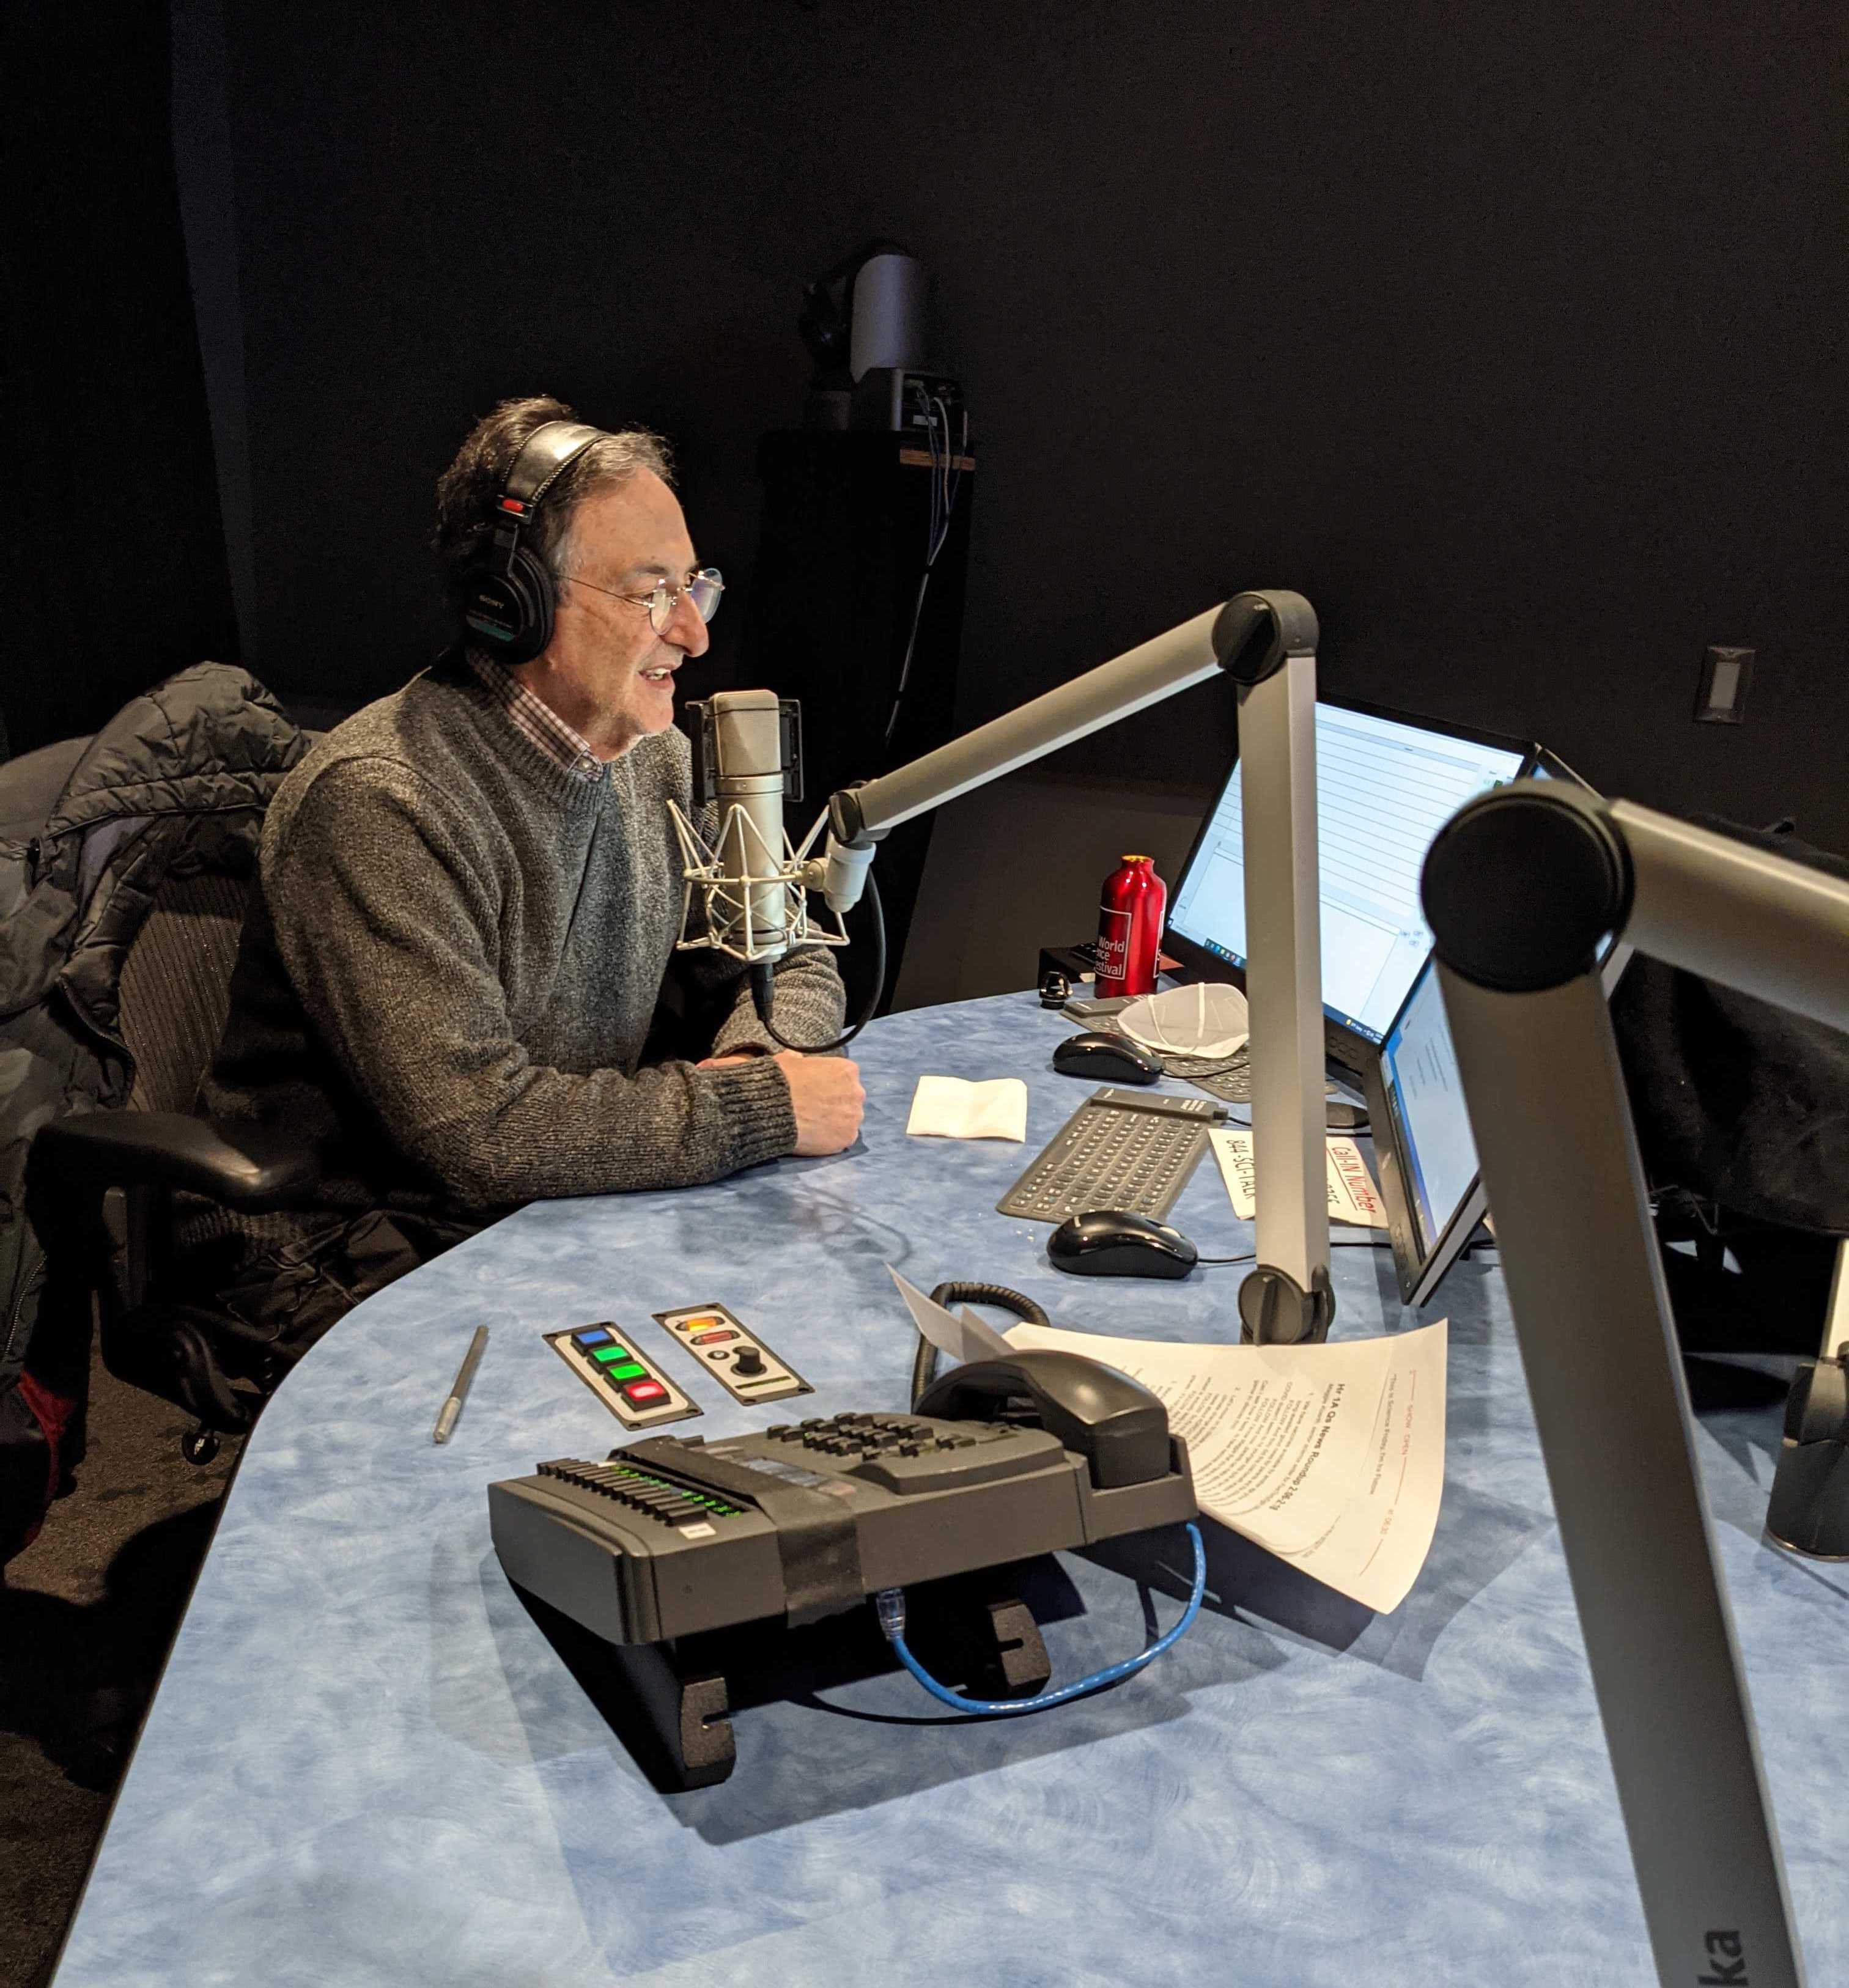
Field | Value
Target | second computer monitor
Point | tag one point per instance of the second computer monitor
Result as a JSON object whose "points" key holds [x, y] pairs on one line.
{"points": [[1386, 783], [1424, 1150]]}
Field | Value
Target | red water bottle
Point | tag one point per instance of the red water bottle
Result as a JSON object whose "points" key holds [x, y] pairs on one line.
{"points": [[1131, 911]]}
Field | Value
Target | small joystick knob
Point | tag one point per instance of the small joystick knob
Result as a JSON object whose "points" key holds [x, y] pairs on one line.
{"points": [[748, 1360]]}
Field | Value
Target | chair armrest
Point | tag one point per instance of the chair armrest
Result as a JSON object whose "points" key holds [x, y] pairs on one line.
{"points": [[247, 1166]]}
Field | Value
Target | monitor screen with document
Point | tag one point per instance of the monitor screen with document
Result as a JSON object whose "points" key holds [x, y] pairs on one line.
{"points": [[1424, 1152], [1386, 784]]}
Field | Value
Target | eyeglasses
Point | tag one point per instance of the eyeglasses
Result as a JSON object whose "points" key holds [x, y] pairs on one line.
{"points": [[703, 586]]}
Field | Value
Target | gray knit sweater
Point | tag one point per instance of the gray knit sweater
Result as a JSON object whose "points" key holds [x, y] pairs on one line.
{"points": [[453, 956]]}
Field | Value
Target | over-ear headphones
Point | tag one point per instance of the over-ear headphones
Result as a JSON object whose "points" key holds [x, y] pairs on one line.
{"points": [[509, 594]]}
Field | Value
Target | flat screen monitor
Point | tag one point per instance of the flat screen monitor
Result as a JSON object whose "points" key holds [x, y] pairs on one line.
{"points": [[1424, 1149], [1386, 783]]}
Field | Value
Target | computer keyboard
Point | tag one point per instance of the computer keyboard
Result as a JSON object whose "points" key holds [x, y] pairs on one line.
{"points": [[1126, 1150], [1231, 1085]]}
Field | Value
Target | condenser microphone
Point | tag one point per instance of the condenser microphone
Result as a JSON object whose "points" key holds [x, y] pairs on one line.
{"points": [[748, 786], [746, 885]]}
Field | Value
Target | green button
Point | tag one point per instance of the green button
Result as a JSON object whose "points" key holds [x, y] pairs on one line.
{"points": [[632, 1370], [607, 1354]]}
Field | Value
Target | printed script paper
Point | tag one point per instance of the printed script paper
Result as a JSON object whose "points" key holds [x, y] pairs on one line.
{"points": [[1331, 1457]]}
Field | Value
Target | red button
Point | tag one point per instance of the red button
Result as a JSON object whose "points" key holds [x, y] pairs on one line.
{"points": [[645, 1394]]}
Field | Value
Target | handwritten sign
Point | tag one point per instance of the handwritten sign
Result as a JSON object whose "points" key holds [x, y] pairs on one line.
{"points": [[1352, 1197]]}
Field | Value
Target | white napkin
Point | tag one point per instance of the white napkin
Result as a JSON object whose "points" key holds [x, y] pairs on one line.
{"points": [[947, 1107]]}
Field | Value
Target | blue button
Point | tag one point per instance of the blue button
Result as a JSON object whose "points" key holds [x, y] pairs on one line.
{"points": [[596, 1337]]}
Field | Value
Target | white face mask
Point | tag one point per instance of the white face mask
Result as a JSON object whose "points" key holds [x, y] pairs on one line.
{"points": [[1208, 1020]]}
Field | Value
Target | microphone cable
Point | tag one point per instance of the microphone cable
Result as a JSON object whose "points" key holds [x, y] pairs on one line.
{"points": [[944, 482], [763, 983]]}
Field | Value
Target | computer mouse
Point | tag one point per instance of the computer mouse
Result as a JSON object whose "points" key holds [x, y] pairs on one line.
{"points": [[1107, 1243], [1106, 1059]]}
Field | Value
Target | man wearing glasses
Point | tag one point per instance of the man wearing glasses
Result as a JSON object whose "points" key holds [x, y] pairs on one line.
{"points": [[458, 974]]}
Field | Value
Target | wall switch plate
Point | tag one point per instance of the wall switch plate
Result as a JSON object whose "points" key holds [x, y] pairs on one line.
{"points": [[1726, 676]]}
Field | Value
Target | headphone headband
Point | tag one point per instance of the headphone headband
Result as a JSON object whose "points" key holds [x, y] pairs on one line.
{"points": [[549, 452]]}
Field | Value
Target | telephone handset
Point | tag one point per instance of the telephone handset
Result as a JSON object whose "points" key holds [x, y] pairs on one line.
{"points": [[1114, 1423]]}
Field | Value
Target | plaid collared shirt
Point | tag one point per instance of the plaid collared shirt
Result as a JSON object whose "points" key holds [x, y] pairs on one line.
{"points": [[536, 721]]}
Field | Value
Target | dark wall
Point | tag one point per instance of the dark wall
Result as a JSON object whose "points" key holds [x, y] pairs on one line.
{"points": [[111, 566], [1511, 337], [439, 206]]}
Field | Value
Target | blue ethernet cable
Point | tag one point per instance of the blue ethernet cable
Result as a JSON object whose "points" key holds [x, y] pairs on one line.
{"points": [[891, 1603]]}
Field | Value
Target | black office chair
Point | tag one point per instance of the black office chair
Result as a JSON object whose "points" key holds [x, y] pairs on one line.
{"points": [[167, 878], [113, 1175]]}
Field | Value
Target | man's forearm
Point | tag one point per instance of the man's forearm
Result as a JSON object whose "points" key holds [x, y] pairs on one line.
{"points": [[808, 1006], [552, 1133]]}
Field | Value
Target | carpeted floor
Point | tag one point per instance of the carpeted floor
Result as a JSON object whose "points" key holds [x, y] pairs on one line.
{"points": [[87, 1614]]}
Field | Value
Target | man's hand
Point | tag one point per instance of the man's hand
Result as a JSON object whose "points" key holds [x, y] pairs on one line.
{"points": [[826, 1094]]}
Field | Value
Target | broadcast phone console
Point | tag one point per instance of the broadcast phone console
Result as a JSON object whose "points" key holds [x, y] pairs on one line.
{"points": [[672, 1538]]}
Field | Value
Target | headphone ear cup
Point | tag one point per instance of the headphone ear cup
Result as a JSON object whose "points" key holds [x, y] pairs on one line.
{"points": [[534, 580], [511, 611]]}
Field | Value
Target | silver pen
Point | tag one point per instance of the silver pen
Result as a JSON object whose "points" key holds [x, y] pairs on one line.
{"points": [[446, 1415]]}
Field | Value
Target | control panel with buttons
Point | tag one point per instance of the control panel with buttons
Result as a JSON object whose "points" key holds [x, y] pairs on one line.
{"points": [[626, 1382], [732, 1353]]}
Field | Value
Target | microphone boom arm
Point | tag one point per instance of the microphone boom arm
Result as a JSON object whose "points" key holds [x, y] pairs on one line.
{"points": [[1142, 676], [1267, 642], [1519, 887]]}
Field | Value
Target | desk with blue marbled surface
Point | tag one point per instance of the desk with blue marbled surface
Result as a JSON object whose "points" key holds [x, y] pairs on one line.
{"points": [[366, 1765]]}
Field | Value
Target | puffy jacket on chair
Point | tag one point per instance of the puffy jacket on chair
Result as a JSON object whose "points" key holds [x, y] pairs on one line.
{"points": [[169, 794]]}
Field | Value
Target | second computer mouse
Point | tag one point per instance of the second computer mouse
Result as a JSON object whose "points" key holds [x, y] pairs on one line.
{"points": [[1106, 1058], [1106, 1243]]}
